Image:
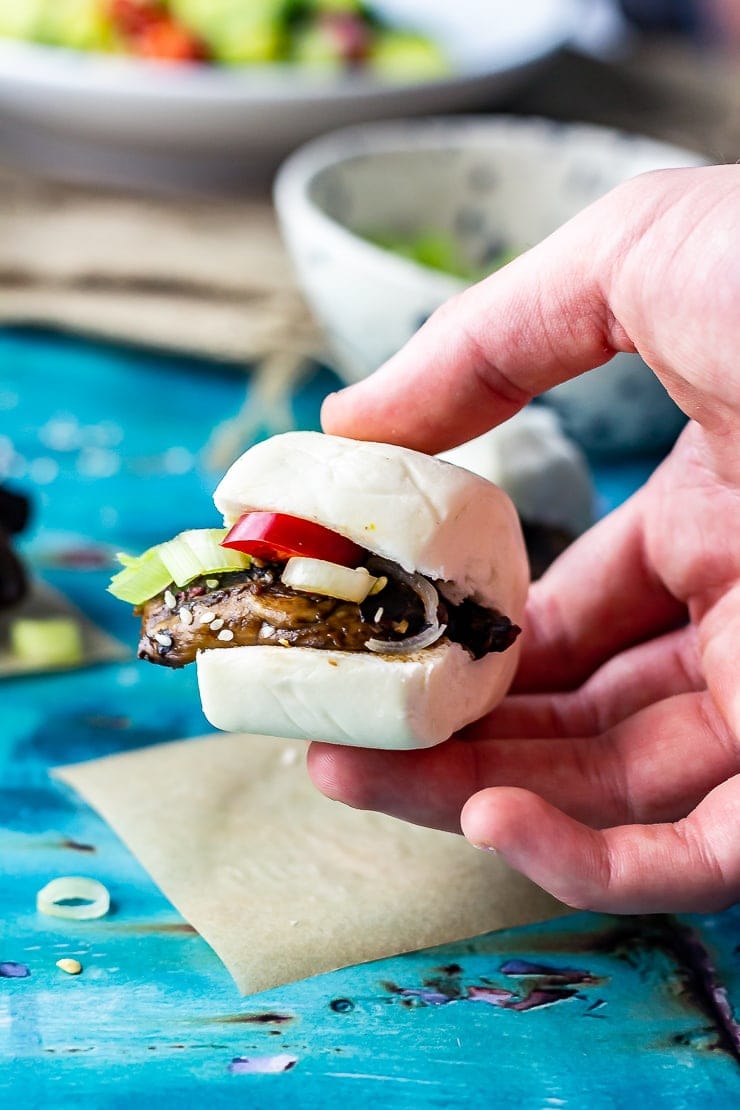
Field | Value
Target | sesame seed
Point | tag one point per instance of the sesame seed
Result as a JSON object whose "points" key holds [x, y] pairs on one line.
{"points": [[186, 617], [284, 642], [212, 583], [218, 623], [72, 967], [163, 638], [169, 599], [206, 616], [378, 615], [226, 634]]}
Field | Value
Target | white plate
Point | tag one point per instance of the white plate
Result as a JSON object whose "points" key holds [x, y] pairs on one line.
{"points": [[128, 121]]}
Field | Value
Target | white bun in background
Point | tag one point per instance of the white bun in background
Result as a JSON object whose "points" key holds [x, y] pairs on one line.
{"points": [[544, 473], [423, 513]]}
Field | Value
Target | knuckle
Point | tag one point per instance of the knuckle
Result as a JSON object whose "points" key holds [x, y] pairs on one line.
{"points": [[596, 889], [461, 315], [600, 764], [450, 312], [547, 613], [700, 854]]}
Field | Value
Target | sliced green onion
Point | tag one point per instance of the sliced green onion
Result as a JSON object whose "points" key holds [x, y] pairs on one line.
{"points": [[127, 560], [189, 555], [205, 543], [92, 898], [198, 552], [141, 578], [180, 560], [46, 642]]}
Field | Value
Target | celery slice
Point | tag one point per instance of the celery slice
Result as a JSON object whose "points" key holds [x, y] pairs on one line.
{"points": [[199, 551], [140, 578], [180, 560], [46, 642], [206, 544]]}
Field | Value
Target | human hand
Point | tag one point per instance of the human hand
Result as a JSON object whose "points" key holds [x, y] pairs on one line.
{"points": [[611, 775]]}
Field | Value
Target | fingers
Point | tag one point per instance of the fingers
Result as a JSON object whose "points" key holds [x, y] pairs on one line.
{"points": [[691, 866], [654, 766], [629, 682], [484, 354], [620, 276], [720, 639], [599, 597], [427, 787]]}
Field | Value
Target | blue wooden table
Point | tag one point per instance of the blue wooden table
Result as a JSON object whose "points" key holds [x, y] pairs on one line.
{"points": [[589, 1011]]}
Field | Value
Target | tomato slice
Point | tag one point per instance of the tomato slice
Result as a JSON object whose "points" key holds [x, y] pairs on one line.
{"points": [[277, 537]]}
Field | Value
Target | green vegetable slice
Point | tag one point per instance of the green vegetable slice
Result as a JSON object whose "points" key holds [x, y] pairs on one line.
{"points": [[189, 555], [140, 578], [199, 552], [46, 642]]}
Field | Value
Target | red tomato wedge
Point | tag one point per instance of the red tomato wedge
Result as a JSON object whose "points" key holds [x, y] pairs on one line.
{"points": [[277, 537]]}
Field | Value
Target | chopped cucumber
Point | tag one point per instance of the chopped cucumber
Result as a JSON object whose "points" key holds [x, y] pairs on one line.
{"points": [[20, 19], [404, 56], [343, 7], [76, 25], [47, 642], [236, 32], [315, 47], [438, 250]]}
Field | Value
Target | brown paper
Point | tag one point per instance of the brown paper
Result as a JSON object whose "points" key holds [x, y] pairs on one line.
{"points": [[283, 883]]}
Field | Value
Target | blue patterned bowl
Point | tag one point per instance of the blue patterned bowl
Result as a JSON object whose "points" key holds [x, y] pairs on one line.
{"points": [[490, 185]]}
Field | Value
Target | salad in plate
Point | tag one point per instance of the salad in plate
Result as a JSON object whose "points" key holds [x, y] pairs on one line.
{"points": [[329, 35]]}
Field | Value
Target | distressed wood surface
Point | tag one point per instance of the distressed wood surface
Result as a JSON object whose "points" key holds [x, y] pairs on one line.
{"points": [[588, 1011]]}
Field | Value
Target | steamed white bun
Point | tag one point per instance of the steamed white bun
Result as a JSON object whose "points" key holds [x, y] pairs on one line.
{"points": [[425, 514]]}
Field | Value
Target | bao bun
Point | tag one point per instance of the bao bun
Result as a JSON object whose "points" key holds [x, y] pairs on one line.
{"points": [[429, 516]]}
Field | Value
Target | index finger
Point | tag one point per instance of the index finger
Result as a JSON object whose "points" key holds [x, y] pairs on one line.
{"points": [[619, 277], [486, 352]]}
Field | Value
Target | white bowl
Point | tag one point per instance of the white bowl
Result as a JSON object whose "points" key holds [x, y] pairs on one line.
{"points": [[125, 120], [491, 184]]}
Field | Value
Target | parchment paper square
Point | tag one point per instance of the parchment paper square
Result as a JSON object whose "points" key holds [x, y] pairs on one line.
{"points": [[280, 881]]}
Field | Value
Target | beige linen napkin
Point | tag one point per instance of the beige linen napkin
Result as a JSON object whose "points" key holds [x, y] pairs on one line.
{"points": [[283, 883], [209, 277]]}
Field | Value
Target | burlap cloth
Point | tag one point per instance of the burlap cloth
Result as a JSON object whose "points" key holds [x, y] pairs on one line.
{"points": [[210, 276]]}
